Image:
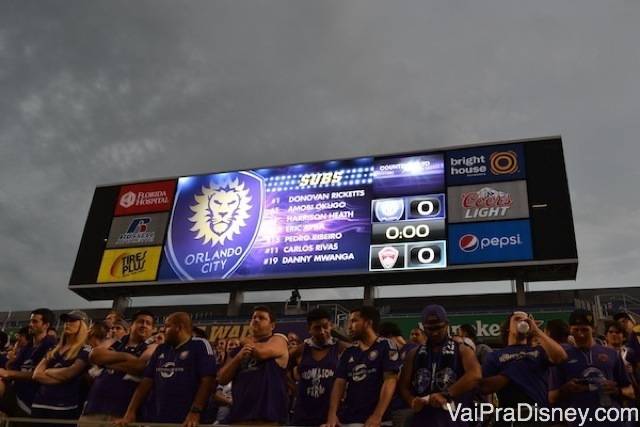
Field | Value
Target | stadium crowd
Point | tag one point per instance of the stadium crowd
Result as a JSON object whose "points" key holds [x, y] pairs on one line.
{"points": [[115, 372]]}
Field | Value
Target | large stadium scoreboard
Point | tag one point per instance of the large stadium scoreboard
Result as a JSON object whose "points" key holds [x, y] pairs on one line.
{"points": [[403, 218]]}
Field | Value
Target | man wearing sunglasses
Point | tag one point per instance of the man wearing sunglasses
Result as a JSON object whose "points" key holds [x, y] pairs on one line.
{"points": [[438, 373]]}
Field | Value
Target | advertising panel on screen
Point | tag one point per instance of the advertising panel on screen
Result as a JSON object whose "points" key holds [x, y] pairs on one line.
{"points": [[129, 265], [145, 198], [486, 164], [488, 202], [138, 230], [490, 242], [421, 216]]}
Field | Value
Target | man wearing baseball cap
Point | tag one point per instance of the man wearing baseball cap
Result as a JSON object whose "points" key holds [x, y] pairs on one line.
{"points": [[593, 375], [518, 373], [438, 373]]}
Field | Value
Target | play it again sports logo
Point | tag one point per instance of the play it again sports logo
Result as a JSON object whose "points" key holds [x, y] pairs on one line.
{"points": [[129, 265], [143, 198]]}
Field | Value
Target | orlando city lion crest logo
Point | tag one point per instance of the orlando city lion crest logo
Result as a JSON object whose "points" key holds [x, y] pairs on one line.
{"points": [[214, 224], [221, 212]]}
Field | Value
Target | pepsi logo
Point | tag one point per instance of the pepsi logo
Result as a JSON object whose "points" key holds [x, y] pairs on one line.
{"points": [[469, 243]]}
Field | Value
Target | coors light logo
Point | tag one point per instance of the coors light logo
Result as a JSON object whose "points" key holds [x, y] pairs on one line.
{"points": [[486, 203]]}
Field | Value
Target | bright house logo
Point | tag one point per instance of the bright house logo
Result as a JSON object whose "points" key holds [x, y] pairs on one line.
{"points": [[215, 222], [485, 164], [490, 242]]}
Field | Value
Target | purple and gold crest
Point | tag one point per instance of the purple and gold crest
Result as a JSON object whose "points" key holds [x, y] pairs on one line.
{"points": [[214, 224]]}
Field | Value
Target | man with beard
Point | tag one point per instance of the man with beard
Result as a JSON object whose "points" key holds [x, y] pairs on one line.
{"points": [[417, 337], [258, 372], [438, 373], [122, 366], [17, 388], [368, 371], [519, 372], [316, 365], [181, 375], [593, 376]]}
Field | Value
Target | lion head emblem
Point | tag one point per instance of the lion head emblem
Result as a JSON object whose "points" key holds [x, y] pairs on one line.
{"points": [[220, 211]]}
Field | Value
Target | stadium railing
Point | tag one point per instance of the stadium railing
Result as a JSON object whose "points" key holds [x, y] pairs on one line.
{"points": [[28, 422]]}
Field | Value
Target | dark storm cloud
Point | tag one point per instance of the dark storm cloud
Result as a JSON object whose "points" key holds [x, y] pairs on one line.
{"points": [[111, 91]]}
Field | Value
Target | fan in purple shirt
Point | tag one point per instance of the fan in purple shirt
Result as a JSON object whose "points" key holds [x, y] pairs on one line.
{"points": [[368, 372], [519, 372], [17, 387], [593, 376], [181, 374], [438, 372], [400, 411], [258, 372], [122, 364], [60, 373], [316, 363]]}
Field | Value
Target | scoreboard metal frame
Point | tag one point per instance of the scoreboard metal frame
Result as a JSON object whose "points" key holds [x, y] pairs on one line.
{"points": [[552, 232]]}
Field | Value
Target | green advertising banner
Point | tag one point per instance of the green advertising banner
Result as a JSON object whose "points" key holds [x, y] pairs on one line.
{"points": [[487, 325]]}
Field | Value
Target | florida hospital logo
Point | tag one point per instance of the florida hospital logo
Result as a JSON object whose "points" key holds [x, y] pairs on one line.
{"points": [[220, 212], [215, 222]]}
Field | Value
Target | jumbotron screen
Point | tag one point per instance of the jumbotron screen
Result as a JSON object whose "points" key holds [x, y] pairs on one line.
{"points": [[367, 216]]}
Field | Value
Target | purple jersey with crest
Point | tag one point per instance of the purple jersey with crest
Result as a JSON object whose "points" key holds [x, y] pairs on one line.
{"points": [[259, 391], [364, 372], [434, 371], [591, 367], [26, 361], [64, 396], [112, 390], [176, 374], [314, 388], [528, 371], [398, 402]]}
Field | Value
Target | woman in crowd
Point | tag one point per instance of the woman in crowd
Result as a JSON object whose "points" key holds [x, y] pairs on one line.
{"points": [[60, 373]]}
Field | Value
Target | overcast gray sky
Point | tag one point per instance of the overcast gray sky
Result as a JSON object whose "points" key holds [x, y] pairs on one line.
{"points": [[111, 91]]}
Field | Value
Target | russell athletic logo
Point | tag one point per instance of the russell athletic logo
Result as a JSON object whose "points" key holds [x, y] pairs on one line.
{"points": [[137, 232]]}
